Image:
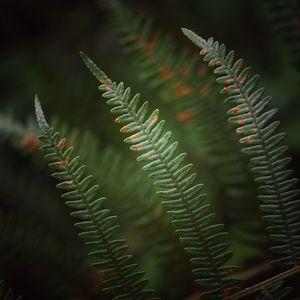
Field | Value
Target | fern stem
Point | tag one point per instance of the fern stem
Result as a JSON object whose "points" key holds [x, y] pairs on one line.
{"points": [[264, 284]]}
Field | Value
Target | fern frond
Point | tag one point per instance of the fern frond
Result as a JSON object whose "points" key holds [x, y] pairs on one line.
{"points": [[182, 197], [138, 207], [172, 72], [260, 140], [97, 225], [164, 67], [166, 64], [134, 201], [7, 294]]}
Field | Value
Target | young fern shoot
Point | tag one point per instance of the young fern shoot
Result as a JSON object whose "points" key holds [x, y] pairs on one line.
{"points": [[204, 240], [281, 205], [96, 224]]}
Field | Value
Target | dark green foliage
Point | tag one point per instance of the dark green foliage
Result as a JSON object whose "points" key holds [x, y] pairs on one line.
{"points": [[42, 255], [182, 198], [138, 206], [261, 141], [274, 292], [284, 17], [97, 226], [19, 238], [134, 201], [7, 294], [172, 73]]}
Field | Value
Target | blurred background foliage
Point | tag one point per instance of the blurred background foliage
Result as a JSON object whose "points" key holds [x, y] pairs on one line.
{"points": [[41, 255]]}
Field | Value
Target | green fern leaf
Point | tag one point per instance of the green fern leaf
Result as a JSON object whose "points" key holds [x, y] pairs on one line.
{"points": [[182, 197], [138, 208], [96, 224], [260, 140]]}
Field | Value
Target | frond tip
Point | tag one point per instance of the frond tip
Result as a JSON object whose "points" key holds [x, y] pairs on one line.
{"points": [[196, 39], [99, 74], [40, 115]]}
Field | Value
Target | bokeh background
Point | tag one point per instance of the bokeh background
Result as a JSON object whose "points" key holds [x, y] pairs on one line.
{"points": [[41, 255]]}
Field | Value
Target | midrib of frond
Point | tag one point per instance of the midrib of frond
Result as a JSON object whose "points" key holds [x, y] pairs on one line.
{"points": [[122, 278], [266, 152], [196, 225]]}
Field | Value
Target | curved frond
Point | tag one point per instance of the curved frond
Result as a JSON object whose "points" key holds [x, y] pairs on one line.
{"points": [[134, 201], [182, 197], [250, 112], [96, 224], [138, 207]]}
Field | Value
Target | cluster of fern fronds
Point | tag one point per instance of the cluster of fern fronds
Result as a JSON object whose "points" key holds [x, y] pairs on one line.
{"points": [[205, 206]]}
